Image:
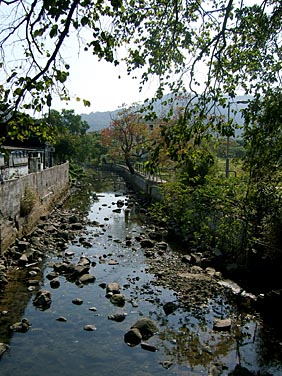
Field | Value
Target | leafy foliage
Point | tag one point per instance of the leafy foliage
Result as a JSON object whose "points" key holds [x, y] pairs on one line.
{"points": [[263, 138], [72, 142], [241, 216], [21, 126], [67, 122], [235, 45]]}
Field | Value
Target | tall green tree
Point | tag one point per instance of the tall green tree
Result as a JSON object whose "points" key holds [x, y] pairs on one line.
{"points": [[71, 139], [263, 162]]}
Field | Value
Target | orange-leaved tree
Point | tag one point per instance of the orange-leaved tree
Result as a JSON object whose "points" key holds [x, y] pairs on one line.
{"points": [[128, 137]]}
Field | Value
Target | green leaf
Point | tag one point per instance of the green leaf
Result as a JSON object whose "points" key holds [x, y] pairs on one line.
{"points": [[53, 31], [18, 91], [86, 103], [84, 21]]}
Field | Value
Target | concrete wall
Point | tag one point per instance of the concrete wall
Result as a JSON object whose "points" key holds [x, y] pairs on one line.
{"points": [[49, 187], [149, 187]]}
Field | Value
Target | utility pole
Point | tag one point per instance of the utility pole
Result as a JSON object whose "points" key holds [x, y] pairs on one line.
{"points": [[227, 170], [227, 146]]}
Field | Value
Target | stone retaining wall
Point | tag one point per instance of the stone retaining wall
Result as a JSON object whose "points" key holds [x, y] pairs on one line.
{"points": [[151, 188], [48, 186]]}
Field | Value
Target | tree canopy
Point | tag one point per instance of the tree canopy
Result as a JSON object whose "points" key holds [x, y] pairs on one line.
{"points": [[215, 47], [128, 137]]}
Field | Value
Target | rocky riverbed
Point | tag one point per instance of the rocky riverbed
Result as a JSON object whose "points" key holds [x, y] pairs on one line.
{"points": [[65, 241], [182, 272]]}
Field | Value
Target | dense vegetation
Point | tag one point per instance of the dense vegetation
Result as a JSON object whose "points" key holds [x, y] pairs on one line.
{"points": [[221, 194], [72, 142]]}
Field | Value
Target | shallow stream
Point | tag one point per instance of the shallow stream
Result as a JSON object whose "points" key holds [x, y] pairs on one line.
{"points": [[186, 343]]}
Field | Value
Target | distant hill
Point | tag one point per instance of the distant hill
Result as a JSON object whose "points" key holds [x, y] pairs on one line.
{"points": [[101, 120]]}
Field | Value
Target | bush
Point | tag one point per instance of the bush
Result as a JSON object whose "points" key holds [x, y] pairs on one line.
{"points": [[28, 201]]}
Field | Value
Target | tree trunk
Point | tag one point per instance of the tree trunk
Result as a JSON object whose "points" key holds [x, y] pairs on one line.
{"points": [[129, 165]]}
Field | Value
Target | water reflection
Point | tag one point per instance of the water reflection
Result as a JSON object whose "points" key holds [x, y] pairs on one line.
{"points": [[14, 298]]}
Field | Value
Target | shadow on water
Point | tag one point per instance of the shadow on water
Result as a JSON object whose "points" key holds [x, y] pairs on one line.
{"points": [[186, 341]]}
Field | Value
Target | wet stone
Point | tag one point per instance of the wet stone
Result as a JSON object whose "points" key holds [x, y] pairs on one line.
{"points": [[148, 347], [52, 275], [113, 287], [119, 317], [118, 299], [133, 337], [89, 328], [55, 283], [21, 326], [3, 348], [61, 319], [77, 301], [222, 325], [87, 278], [42, 299], [169, 307]]}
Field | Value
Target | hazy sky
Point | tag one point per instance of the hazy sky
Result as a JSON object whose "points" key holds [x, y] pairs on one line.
{"points": [[99, 82]]}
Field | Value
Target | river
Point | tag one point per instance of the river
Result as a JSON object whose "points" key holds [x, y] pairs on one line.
{"points": [[185, 344]]}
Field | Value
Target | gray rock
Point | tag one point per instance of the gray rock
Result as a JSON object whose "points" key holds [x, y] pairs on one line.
{"points": [[61, 319], [69, 253], [33, 282], [21, 326], [76, 226], [85, 261], [113, 262], [79, 270], [42, 299], [162, 245], [119, 317], [87, 278], [118, 299], [148, 253], [120, 203], [196, 258], [133, 337], [147, 243], [63, 268], [186, 259], [23, 245], [50, 228], [146, 346], [73, 219], [23, 260], [169, 307], [146, 327], [77, 301], [166, 364], [156, 235], [222, 325], [113, 287], [3, 348], [52, 275], [89, 327], [55, 283]]}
